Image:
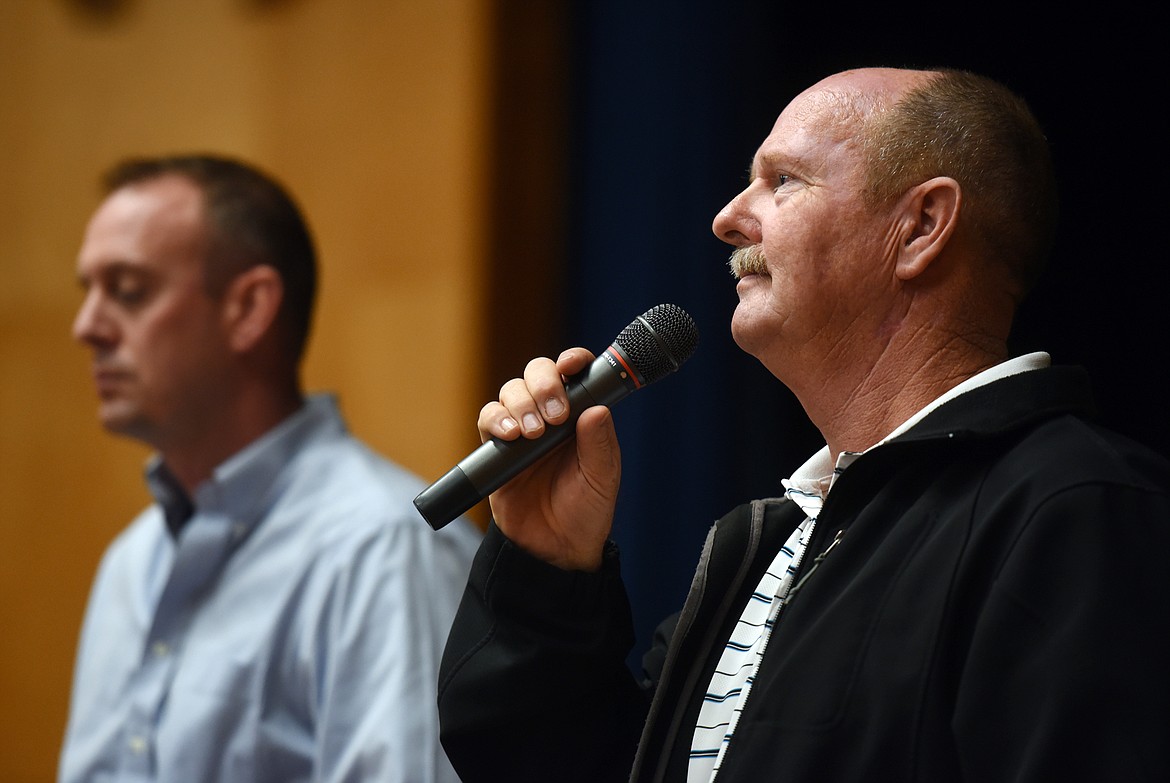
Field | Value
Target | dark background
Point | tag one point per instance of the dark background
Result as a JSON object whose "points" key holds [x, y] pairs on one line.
{"points": [[624, 127]]}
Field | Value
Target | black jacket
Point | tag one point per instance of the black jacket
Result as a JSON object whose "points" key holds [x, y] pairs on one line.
{"points": [[998, 609]]}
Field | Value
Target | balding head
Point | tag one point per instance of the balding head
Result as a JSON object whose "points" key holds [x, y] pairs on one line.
{"points": [[976, 131], [915, 125]]}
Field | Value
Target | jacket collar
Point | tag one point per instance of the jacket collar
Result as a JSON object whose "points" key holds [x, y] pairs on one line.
{"points": [[1008, 404]]}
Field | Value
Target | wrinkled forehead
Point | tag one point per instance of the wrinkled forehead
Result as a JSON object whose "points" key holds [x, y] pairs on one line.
{"points": [[813, 125], [843, 102], [832, 113]]}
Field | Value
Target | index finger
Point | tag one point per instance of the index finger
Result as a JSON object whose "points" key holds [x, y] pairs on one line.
{"points": [[574, 360], [545, 382]]}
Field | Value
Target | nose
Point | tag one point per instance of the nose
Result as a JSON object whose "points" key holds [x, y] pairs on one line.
{"points": [[90, 326], [734, 223]]}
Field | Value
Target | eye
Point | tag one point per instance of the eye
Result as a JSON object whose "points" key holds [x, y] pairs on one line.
{"points": [[781, 180], [127, 289]]}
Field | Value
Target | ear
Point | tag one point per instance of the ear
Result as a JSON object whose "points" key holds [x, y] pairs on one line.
{"points": [[250, 306], [928, 219]]}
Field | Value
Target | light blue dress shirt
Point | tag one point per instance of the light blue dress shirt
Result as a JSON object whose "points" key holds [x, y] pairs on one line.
{"points": [[291, 632]]}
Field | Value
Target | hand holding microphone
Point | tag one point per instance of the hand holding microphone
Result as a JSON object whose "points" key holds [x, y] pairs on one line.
{"points": [[651, 347]]}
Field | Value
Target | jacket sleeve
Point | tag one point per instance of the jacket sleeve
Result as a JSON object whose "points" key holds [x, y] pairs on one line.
{"points": [[1067, 676], [533, 684]]}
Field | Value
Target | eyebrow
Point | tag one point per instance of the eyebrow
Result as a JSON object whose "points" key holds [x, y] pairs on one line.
{"points": [[120, 267], [765, 161]]}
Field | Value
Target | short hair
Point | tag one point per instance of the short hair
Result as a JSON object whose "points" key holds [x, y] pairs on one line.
{"points": [[975, 130], [251, 220]]}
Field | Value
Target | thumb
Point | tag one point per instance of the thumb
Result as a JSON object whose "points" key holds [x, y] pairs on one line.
{"points": [[598, 453]]}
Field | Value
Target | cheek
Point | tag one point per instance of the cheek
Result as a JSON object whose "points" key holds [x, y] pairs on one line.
{"points": [[174, 349]]}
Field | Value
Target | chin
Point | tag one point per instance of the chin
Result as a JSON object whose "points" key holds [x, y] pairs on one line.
{"points": [[756, 328], [741, 330], [120, 418]]}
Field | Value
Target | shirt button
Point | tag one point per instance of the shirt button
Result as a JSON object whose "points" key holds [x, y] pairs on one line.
{"points": [[137, 745], [160, 649]]}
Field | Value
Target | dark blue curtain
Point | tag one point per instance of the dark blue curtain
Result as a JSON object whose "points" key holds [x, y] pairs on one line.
{"points": [[669, 101]]}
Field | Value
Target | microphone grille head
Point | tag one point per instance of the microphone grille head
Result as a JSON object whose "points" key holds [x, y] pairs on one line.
{"points": [[659, 341]]}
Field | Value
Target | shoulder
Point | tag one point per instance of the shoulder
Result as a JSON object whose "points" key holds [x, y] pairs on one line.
{"points": [[1069, 451], [129, 560], [139, 541], [1071, 497], [1035, 427], [759, 525], [776, 508], [344, 494], [343, 477]]}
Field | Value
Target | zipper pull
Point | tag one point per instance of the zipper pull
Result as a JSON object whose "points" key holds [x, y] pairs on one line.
{"points": [[836, 540], [815, 564]]}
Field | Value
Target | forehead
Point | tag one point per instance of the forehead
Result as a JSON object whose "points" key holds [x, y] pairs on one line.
{"points": [[154, 223], [816, 126]]}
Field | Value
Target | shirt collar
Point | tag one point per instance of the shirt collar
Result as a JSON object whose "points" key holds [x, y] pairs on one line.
{"points": [[176, 506], [242, 486]]}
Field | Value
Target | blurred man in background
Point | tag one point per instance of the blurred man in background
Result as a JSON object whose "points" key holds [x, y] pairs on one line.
{"points": [[278, 614]]}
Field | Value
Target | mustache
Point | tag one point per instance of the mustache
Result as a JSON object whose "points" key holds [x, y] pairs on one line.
{"points": [[748, 261]]}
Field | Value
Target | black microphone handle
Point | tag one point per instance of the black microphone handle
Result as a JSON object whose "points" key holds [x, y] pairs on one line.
{"points": [[496, 462]]}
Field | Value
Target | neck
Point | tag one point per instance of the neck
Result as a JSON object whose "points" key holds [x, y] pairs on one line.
{"points": [[854, 404], [230, 430]]}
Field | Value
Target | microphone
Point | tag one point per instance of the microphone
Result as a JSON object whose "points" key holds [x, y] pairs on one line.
{"points": [[654, 345]]}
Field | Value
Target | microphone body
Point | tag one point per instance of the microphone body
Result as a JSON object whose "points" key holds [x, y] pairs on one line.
{"points": [[653, 345]]}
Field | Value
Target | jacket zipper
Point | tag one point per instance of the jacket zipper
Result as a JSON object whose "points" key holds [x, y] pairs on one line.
{"points": [[784, 602]]}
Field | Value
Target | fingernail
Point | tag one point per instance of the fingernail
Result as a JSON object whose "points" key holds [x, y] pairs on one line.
{"points": [[531, 422], [553, 408], [507, 425]]}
